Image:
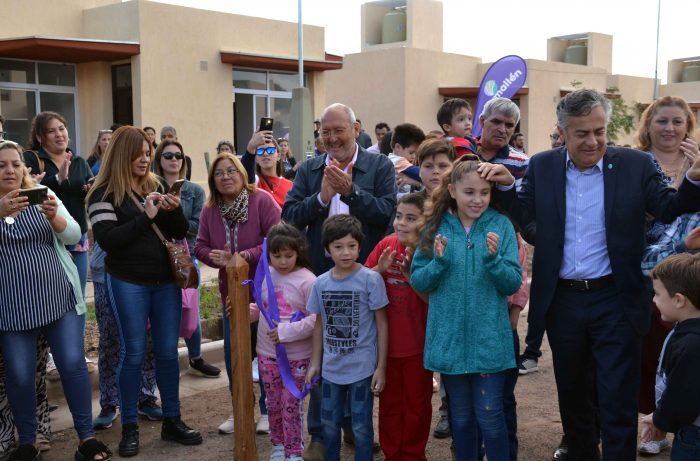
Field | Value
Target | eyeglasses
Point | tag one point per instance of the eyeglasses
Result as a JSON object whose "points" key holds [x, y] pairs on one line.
{"points": [[266, 150], [230, 172], [170, 155], [554, 136]]}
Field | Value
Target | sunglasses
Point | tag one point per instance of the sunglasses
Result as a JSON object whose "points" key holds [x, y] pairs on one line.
{"points": [[170, 155], [266, 150]]}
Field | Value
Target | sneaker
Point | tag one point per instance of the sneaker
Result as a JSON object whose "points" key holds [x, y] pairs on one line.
{"points": [[150, 410], [263, 426], [527, 366], [256, 374], [201, 368], [51, 370], [294, 458], [105, 418], [91, 366], [654, 447], [442, 429], [314, 452], [277, 453], [227, 426]]}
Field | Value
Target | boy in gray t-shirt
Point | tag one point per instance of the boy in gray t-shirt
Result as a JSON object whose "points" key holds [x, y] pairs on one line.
{"points": [[351, 337]]}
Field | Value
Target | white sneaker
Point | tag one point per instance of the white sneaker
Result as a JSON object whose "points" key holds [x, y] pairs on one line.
{"points": [[277, 453], [654, 447], [227, 426], [263, 426], [294, 458], [256, 374], [527, 366]]}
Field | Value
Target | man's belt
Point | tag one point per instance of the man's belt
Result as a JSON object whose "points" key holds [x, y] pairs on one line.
{"points": [[588, 285]]}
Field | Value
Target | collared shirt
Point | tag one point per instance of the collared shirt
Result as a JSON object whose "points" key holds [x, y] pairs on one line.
{"points": [[337, 206], [585, 245], [671, 242]]}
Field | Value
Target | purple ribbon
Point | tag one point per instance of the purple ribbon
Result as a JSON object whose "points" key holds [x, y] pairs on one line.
{"points": [[263, 273]]}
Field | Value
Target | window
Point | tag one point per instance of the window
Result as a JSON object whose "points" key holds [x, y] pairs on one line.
{"points": [[122, 95], [30, 87]]}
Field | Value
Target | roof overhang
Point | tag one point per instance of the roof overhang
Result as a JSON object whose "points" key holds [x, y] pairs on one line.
{"points": [[331, 62], [73, 50], [470, 91]]}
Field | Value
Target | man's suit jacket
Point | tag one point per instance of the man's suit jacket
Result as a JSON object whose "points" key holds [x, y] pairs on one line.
{"points": [[373, 202], [632, 187]]}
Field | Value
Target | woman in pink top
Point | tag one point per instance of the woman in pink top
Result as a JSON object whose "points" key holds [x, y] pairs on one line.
{"points": [[236, 219]]}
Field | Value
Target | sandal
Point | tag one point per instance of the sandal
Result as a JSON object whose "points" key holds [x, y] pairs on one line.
{"points": [[89, 449], [25, 452]]}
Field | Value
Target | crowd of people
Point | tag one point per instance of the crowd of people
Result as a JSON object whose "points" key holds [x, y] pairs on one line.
{"points": [[392, 264]]}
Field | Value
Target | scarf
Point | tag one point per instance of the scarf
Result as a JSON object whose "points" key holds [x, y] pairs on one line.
{"points": [[237, 212]]}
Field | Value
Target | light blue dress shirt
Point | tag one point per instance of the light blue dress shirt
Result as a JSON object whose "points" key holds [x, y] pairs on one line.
{"points": [[585, 245]]}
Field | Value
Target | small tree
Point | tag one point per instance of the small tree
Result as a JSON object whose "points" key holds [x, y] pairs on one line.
{"points": [[622, 118]]}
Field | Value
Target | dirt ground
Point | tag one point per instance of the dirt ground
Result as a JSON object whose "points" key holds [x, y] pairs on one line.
{"points": [[539, 428]]}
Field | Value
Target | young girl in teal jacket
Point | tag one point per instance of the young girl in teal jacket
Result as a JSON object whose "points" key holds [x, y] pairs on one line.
{"points": [[468, 265]]}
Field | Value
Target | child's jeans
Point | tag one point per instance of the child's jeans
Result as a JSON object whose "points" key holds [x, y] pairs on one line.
{"points": [[333, 410], [285, 412], [686, 444], [477, 399]]}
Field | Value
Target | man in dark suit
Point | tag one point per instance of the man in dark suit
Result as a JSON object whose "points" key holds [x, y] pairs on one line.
{"points": [[588, 203]]}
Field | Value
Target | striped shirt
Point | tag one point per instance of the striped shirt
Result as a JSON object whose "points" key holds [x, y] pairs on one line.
{"points": [[35, 288], [671, 242], [515, 161], [585, 244]]}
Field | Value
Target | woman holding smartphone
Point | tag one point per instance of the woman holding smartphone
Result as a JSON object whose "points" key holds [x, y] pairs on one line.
{"points": [[41, 294], [124, 203], [269, 171], [170, 165]]}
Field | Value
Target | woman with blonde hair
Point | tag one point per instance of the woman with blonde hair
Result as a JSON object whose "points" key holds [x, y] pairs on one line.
{"points": [[125, 205], [668, 132], [98, 150], [41, 293], [235, 219]]}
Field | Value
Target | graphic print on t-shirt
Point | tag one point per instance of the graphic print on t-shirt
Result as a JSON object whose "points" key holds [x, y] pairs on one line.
{"points": [[342, 310]]}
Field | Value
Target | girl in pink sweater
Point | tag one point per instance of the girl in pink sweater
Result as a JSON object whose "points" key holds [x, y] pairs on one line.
{"points": [[292, 280]]}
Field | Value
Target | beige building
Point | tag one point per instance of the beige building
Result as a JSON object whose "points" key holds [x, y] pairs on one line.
{"points": [[206, 73], [402, 74]]}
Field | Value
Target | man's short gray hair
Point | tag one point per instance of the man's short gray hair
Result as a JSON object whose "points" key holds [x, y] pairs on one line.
{"points": [[168, 129], [580, 103], [348, 112], [502, 106]]}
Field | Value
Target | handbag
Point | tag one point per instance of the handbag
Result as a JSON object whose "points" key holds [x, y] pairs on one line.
{"points": [[184, 271]]}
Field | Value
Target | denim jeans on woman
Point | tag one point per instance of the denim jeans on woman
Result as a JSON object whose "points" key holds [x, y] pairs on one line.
{"points": [[65, 337], [134, 305], [476, 401], [333, 405]]}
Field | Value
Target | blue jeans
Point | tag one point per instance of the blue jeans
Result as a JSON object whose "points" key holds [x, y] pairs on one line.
{"points": [[509, 403], [80, 259], [476, 400], [686, 444], [227, 358], [313, 418], [133, 306], [333, 410], [65, 337]]}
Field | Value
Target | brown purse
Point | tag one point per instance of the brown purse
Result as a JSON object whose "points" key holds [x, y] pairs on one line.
{"points": [[184, 270]]}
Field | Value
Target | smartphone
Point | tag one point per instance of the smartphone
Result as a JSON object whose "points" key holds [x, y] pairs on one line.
{"points": [[266, 124], [36, 195], [177, 185]]}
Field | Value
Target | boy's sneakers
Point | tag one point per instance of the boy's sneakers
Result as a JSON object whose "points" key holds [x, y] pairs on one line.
{"points": [[653, 447], [263, 426], [150, 410], [442, 429], [201, 368], [227, 426], [105, 418], [527, 366]]}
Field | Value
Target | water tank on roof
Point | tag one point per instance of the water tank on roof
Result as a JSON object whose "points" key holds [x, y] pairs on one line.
{"points": [[691, 73], [394, 26], [577, 54]]}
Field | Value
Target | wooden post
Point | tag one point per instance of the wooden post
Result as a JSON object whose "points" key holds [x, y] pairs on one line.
{"points": [[245, 448]]}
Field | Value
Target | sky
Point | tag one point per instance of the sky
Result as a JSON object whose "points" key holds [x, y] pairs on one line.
{"points": [[519, 27]]}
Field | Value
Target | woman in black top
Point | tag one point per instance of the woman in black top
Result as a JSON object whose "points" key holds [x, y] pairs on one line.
{"points": [[64, 173], [123, 204]]}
